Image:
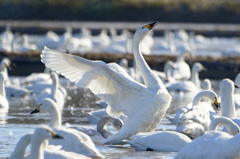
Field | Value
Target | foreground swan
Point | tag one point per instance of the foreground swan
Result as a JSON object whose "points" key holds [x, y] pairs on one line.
{"points": [[75, 141], [219, 145], [38, 147], [168, 141], [144, 105], [194, 121]]}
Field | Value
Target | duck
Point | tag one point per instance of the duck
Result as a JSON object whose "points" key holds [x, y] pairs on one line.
{"points": [[75, 141], [194, 121], [165, 141], [144, 105], [214, 144], [39, 149]]}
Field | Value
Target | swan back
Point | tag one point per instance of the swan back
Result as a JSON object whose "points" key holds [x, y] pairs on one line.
{"points": [[232, 127]]}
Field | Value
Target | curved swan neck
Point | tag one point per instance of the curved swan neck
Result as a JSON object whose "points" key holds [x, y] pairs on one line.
{"points": [[36, 148], [21, 146], [150, 79], [222, 121], [203, 94], [55, 117], [101, 126], [227, 101]]}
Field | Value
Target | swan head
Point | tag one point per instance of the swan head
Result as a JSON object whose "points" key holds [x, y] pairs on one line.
{"points": [[117, 124], [143, 30], [45, 106], [45, 132], [198, 66], [227, 86], [6, 62]]}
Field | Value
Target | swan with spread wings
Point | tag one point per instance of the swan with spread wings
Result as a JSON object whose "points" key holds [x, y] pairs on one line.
{"points": [[144, 105]]}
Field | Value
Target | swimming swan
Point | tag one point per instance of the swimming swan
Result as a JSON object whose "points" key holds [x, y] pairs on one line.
{"points": [[144, 105], [38, 150], [167, 141], [75, 141], [214, 144]]}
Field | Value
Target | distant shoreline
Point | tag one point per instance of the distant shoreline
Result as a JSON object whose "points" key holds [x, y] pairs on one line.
{"points": [[217, 67]]}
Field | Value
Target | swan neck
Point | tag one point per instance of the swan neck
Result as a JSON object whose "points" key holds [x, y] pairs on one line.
{"points": [[204, 94], [2, 88], [222, 121], [55, 117], [36, 148], [55, 85], [101, 126], [149, 78], [21, 146], [195, 78], [227, 103]]}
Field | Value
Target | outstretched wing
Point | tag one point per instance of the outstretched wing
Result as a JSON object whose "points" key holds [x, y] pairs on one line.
{"points": [[107, 81]]}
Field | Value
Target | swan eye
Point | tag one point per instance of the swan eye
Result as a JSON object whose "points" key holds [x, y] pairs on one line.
{"points": [[142, 27]]}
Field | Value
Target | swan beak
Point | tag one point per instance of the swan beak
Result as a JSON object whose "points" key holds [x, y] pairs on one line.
{"points": [[55, 136], [216, 104], [36, 110], [236, 86], [151, 25]]}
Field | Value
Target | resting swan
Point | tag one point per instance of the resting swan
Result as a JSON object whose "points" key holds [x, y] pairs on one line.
{"points": [[144, 105], [75, 141], [194, 121], [167, 141], [214, 144], [38, 149]]}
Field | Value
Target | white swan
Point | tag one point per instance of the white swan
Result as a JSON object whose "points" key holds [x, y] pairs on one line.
{"points": [[144, 105], [167, 141], [237, 92], [182, 70], [194, 121], [75, 141], [53, 91], [11, 90], [38, 146], [183, 92], [4, 105], [227, 100], [214, 144], [232, 127]]}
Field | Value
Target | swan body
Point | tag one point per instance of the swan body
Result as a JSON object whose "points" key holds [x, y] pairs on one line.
{"points": [[214, 144], [195, 121], [167, 141], [75, 141], [144, 105]]}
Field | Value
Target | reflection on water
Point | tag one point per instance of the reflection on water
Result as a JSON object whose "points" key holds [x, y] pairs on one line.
{"points": [[17, 122]]}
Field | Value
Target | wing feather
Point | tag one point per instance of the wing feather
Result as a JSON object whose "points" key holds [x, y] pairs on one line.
{"points": [[107, 81]]}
